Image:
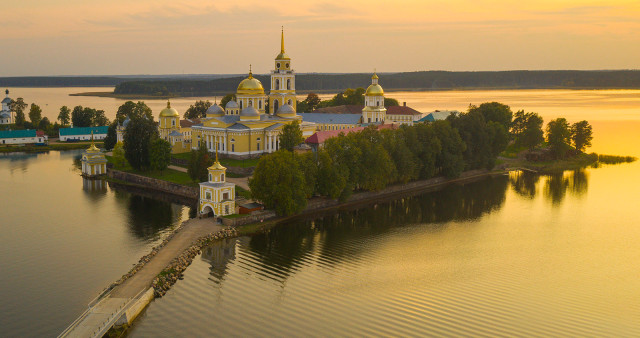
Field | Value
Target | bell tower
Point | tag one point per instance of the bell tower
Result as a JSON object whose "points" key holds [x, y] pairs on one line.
{"points": [[283, 81]]}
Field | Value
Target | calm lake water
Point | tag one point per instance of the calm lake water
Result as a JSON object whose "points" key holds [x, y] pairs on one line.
{"points": [[509, 255]]}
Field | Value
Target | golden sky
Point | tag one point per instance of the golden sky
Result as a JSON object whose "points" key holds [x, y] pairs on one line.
{"points": [[74, 37]]}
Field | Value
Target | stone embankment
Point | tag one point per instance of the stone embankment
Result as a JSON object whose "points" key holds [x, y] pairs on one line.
{"points": [[155, 184], [178, 265]]}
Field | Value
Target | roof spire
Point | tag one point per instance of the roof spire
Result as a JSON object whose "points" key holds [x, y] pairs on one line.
{"points": [[250, 73], [7, 92], [168, 103], [282, 41], [216, 146]]}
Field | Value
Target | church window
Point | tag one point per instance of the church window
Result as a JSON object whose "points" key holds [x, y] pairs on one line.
{"points": [[289, 102], [233, 148], [276, 104], [259, 104], [226, 209], [173, 123], [287, 65], [225, 196], [250, 103], [288, 84], [258, 145], [207, 195], [278, 65], [222, 177], [240, 104], [277, 84], [369, 120]]}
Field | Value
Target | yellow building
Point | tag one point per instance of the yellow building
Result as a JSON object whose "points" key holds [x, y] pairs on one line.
{"points": [[93, 161], [174, 130], [217, 197], [244, 129]]}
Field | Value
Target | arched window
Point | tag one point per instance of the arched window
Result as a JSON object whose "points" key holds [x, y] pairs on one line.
{"points": [[240, 104], [290, 102], [222, 177], [288, 84], [259, 104], [251, 103], [209, 177], [278, 82], [275, 106]]}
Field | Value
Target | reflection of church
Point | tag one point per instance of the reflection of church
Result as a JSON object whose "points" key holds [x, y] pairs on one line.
{"points": [[219, 254]]}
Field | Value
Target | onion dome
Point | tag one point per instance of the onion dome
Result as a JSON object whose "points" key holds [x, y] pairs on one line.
{"points": [[216, 166], [374, 89], [286, 111], [250, 86], [169, 112], [249, 113], [215, 110], [231, 105]]}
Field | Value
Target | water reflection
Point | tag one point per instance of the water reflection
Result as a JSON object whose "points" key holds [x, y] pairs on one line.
{"points": [[148, 216], [557, 185], [219, 254], [289, 243], [524, 183], [95, 189]]}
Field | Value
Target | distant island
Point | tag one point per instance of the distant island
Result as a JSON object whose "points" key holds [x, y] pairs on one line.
{"points": [[208, 85]]}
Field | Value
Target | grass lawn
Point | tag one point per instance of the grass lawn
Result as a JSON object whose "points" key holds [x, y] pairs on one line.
{"points": [[169, 175], [242, 192]]}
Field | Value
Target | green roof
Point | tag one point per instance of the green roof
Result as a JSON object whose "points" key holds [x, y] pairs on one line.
{"points": [[17, 133], [83, 131]]}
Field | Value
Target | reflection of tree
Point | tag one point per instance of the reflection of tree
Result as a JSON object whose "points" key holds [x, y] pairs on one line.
{"points": [[580, 182], [333, 234], [557, 185], [524, 183], [148, 216]]}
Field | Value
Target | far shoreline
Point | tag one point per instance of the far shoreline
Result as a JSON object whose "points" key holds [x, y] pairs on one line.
{"points": [[328, 91]]}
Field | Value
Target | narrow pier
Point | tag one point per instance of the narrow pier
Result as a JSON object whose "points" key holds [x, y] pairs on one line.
{"points": [[124, 302]]}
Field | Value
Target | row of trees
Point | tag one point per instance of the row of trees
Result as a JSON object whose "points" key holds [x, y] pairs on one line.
{"points": [[372, 159], [561, 137]]}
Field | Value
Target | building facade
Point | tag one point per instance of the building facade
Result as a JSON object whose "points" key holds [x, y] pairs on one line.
{"points": [[83, 133], [6, 115], [94, 162], [26, 136], [217, 196]]}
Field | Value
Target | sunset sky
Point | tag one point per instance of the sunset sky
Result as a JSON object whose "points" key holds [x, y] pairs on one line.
{"points": [[80, 37]]}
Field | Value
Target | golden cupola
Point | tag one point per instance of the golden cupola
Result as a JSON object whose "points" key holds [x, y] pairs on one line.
{"points": [[250, 86], [374, 88], [169, 112], [282, 56]]}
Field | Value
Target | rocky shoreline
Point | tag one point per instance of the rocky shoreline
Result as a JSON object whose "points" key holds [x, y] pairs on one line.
{"points": [[174, 271]]}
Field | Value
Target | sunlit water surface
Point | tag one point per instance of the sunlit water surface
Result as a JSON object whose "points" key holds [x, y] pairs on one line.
{"points": [[518, 255], [65, 239]]}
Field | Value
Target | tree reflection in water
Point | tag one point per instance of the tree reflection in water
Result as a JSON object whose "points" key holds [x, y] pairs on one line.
{"points": [[148, 216], [557, 185], [330, 233], [524, 183]]}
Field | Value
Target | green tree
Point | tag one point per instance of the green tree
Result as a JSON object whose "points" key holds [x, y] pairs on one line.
{"points": [[44, 124], [388, 102], [112, 136], [133, 110], [199, 161], [137, 141], [312, 100], [197, 110], [581, 135], [81, 117], [330, 179], [450, 159], [309, 169], [35, 114], [18, 106], [279, 183], [496, 112], [160, 154], [226, 99], [291, 136], [527, 129], [98, 118], [64, 116], [559, 136], [119, 160]]}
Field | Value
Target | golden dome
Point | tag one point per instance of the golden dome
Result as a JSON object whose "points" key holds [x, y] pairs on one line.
{"points": [[93, 149], [374, 90], [374, 77], [169, 112], [250, 86], [283, 56]]}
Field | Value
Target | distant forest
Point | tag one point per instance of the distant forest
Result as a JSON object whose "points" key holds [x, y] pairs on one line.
{"points": [[203, 85]]}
